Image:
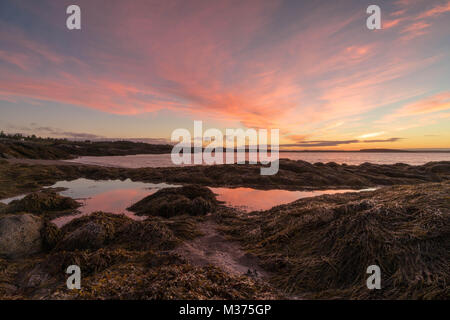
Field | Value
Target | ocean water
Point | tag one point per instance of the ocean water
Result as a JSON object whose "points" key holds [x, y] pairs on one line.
{"points": [[350, 158]]}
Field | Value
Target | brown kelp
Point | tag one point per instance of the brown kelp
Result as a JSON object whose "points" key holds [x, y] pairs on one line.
{"points": [[321, 247], [42, 203], [191, 200]]}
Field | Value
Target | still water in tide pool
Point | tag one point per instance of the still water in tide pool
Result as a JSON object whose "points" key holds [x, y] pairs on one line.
{"points": [[249, 199], [116, 196], [113, 196]]}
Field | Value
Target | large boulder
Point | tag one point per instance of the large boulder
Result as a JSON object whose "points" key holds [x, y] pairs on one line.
{"points": [[20, 235]]}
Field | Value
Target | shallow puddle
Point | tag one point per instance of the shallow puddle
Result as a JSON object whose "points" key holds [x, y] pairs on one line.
{"points": [[113, 196]]}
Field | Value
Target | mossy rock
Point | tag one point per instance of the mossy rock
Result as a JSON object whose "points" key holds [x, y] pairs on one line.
{"points": [[192, 200]]}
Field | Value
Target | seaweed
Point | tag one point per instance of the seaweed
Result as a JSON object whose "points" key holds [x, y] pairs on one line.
{"points": [[191, 200], [42, 203], [321, 247]]}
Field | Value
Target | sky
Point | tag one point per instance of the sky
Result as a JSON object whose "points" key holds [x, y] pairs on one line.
{"points": [[312, 69]]}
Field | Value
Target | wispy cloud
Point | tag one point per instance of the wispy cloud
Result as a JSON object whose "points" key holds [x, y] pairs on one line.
{"points": [[261, 64], [431, 104]]}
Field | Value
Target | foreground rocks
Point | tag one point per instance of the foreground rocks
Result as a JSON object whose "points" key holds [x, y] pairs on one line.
{"points": [[20, 235], [313, 248], [122, 259]]}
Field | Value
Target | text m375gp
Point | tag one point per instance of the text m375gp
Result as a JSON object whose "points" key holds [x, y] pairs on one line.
{"points": [[246, 309]]}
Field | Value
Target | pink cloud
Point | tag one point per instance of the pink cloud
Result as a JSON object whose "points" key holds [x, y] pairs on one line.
{"points": [[435, 11], [220, 60], [435, 103]]}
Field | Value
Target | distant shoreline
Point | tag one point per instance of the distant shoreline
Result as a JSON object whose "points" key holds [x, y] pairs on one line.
{"points": [[372, 151]]}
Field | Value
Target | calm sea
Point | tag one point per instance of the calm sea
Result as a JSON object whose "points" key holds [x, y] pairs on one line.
{"points": [[351, 158]]}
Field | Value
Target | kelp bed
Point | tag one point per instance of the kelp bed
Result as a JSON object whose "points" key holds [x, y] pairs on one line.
{"points": [[122, 259], [316, 247], [321, 247]]}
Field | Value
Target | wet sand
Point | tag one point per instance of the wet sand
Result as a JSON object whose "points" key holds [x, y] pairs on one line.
{"points": [[213, 248]]}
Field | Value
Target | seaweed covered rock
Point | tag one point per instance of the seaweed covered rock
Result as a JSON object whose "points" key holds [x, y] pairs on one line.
{"points": [[20, 235], [192, 200], [91, 232], [100, 230], [147, 234], [40, 203]]}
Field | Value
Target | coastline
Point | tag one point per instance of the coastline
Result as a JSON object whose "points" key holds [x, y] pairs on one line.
{"points": [[290, 251]]}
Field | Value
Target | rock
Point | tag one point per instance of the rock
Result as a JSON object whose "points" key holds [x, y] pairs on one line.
{"points": [[191, 200], [101, 230], [91, 232], [20, 235]]}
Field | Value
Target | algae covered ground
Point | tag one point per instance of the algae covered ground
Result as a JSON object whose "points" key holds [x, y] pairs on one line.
{"points": [[191, 246], [122, 259], [321, 247]]}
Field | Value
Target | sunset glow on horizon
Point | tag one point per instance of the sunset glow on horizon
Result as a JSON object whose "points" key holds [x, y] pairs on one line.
{"points": [[140, 69]]}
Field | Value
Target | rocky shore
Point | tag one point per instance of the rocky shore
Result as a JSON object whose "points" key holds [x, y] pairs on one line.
{"points": [[46, 148], [191, 246]]}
